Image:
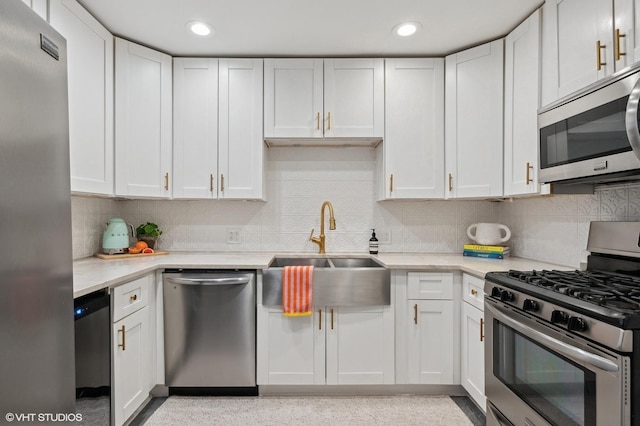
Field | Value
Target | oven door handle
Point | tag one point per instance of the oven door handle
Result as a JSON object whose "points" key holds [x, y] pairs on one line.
{"points": [[558, 345], [631, 119]]}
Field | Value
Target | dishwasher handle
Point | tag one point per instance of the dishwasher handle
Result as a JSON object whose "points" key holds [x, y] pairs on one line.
{"points": [[210, 281]]}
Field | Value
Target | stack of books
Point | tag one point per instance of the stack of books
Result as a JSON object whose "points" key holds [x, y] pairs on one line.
{"points": [[491, 252]]}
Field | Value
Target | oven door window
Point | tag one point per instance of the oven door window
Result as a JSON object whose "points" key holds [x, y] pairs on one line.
{"points": [[560, 390], [591, 134]]}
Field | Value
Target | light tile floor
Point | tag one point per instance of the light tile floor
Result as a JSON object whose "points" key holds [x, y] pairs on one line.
{"points": [[316, 410]]}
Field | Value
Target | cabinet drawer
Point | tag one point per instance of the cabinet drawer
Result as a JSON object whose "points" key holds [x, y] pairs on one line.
{"points": [[130, 297], [430, 285], [473, 291]]}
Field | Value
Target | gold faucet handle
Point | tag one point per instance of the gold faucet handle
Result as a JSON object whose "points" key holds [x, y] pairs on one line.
{"points": [[311, 235]]}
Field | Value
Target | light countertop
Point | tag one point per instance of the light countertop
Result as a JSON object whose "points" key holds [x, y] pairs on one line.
{"points": [[92, 274]]}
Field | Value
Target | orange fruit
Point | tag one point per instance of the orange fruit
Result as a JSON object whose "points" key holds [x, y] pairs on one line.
{"points": [[147, 250], [134, 250], [141, 245]]}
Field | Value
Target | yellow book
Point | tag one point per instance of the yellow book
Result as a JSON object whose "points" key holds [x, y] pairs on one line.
{"points": [[488, 249]]}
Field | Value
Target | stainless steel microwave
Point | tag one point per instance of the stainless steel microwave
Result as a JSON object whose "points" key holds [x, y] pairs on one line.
{"points": [[592, 136]]}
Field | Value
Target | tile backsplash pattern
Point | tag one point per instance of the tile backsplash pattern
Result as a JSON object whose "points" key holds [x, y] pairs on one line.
{"points": [[299, 180], [555, 228]]}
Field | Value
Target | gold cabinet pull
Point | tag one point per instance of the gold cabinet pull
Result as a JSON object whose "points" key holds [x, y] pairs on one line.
{"points": [[134, 297], [123, 344], [474, 292], [166, 181], [222, 182], [391, 183], [619, 54], [328, 121], [332, 319], [415, 314], [318, 121], [599, 48], [319, 319], [211, 182], [481, 329], [450, 182], [529, 169]]}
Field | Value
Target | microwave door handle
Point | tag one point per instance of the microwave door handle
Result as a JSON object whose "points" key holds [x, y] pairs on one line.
{"points": [[631, 119], [558, 345]]}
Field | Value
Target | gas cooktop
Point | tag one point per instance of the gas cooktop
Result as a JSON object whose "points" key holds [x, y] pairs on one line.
{"points": [[607, 296]]}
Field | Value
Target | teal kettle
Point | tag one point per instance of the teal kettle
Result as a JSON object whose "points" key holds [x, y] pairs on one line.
{"points": [[115, 239]]}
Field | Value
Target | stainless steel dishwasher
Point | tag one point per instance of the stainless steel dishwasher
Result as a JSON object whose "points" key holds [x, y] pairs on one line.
{"points": [[209, 329]]}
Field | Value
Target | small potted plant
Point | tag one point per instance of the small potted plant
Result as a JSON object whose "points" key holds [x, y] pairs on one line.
{"points": [[148, 233]]}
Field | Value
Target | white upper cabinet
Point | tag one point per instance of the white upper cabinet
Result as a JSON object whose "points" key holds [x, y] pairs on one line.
{"points": [[90, 73], [354, 97], [474, 122], [39, 6], [143, 121], [584, 41], [414, 129], [195, 128], [240, 144], [315, 98], [293, 96], [218, 150], [521, 101]]}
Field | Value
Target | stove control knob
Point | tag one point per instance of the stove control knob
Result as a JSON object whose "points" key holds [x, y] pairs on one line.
{"points": [[559, 317], [530, 305], [496, 292], [577, 324], [507, 296]]}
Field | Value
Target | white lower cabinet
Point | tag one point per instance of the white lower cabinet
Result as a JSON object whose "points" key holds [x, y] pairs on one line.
{"points": [[335, 345], [431, 342], [472, 324], [428, 329], [132, 337], [291, 350], [130, 353]]}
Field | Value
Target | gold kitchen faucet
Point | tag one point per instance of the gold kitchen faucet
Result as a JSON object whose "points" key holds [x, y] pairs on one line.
{"points": [[320, 241]]}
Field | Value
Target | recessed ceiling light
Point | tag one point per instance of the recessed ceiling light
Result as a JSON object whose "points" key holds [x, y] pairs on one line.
{"points": [[200, 28], [407, 28]]}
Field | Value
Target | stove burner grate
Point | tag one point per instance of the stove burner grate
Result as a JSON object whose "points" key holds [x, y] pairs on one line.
{"points": [[614, 291]]}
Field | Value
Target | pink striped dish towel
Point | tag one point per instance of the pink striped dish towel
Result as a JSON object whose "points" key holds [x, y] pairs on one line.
{"points": [[297, 291]]}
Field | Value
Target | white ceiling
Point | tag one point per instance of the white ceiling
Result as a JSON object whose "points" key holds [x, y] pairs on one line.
{"points": [[311, 27]]}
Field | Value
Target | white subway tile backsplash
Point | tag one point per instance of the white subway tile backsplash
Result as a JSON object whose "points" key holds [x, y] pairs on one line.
{"points": [[299, 180]]}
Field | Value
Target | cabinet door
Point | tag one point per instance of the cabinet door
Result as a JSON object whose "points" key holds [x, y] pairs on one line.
{"points": [[130, 356], [354, 98], [570, 50], [143, 121], [473, 121], [291, 350], [521, 97], [360, 345], [431, 342], [39, 6], [293, 98], [626, 47], [240, 145], [90, 73], [195, 128], [472, 374], [414, 128]]}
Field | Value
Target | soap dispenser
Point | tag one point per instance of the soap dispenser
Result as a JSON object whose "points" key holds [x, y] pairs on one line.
{"points": [[373, 243]]}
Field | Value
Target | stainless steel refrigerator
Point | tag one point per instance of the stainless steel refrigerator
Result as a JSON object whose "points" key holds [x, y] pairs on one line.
{"points": [[36, 291]]}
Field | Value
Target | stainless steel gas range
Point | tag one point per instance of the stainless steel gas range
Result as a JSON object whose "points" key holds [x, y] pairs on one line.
{"points": [[563, 347]]}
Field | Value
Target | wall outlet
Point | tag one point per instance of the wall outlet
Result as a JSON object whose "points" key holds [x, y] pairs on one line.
{"points": [[384, 237], [233, 236]]}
